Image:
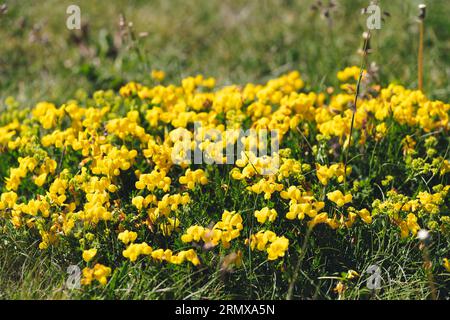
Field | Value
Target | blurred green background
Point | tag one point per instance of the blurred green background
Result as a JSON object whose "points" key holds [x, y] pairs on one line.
{"points": [[235, 41]]}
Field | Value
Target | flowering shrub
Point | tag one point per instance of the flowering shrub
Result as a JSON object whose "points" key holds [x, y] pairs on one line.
{"points": [[97, 176]]}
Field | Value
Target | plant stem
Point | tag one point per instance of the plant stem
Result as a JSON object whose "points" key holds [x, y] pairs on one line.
{"points": [[427, 265], [422, 14], [299, 265], [358, 85], [421, 31]]}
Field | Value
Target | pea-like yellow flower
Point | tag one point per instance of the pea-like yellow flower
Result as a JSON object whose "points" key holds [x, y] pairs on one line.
{"points": [[446, 264], [127, 236], [339, 198], [158, 75], [88, 255], [365, 216], [411, 222], [134, 250], [191, 178], [8, 200], [40, 180], [153, 180], [138, 202], [223, 232], [265, 214], [99, 273], [325, 173], [318, 219], [278, 248], [268, 241], [349, 73], [266, 186]]}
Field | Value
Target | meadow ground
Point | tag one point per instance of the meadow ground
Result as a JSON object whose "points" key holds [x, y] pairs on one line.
{"points": [[236, 42]]}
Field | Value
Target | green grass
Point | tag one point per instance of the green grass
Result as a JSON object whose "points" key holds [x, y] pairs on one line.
{"points": [[236, 42], [27, 273]]}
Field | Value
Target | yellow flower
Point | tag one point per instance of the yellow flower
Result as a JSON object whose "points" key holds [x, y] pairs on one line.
{"points": [[99, 273], [88, 255], [266, 186], [365, 216], [404, 231], [264, 214], [352, 274], [411, 222], [153, 180], [134, 250], [8, 200], [349, 72], [138, 202], [340, 288], [351, 219], [318, 219], [127, 236], [158, 75], [447, 264], [269, 242], [338, 198], [191, 178], [277, 248], [381, 130], [191, 256], [193, 233], [325, 173], [40, 180]]}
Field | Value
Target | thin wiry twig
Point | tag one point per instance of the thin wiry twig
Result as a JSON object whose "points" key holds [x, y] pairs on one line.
{"points": [[358, 85]]}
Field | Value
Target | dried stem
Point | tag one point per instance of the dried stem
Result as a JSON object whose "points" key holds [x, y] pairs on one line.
{"points": [[299, 265], [422, 9], [358, 86]]}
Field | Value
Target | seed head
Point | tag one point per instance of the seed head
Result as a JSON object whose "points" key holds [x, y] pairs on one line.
{"points": [[422, 11], [423, 235]]}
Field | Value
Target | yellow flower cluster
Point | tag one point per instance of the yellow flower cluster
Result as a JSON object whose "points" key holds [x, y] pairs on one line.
{"points": [[265, 214], [26, 165], [99, 272], [47, 114], [167, 204], [158, 75], [8, 200], [268, 241], [266, 186], [339, 198], [348, 73], [253, 166], [447, 264], [409, 225], [127, 236], [134, 250], [223, 232], [326, 173], [88, 255], [184, 255], [112, 160], [152, 180], [301, 203], [405, 211], [117, 163], [191, 178]]}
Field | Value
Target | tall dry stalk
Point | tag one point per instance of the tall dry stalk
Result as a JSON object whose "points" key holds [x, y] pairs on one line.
{"points": [[366, 37], [299, 264], [424, 237], [422, 14]]}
